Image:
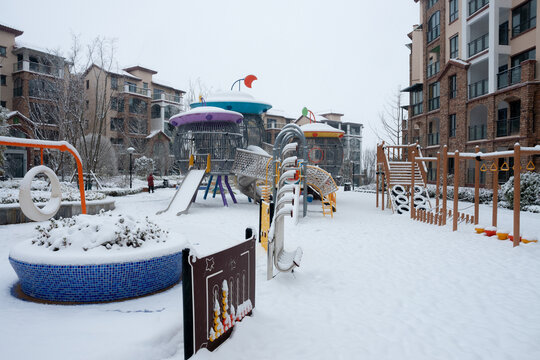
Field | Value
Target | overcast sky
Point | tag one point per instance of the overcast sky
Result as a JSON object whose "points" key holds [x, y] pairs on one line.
{"points": [[344, 56]]}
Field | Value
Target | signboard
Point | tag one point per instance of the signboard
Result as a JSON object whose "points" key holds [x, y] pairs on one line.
{"points": [[218, 291]]}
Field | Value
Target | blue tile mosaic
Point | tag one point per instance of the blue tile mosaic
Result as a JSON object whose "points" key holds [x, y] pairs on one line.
{"points": [[94, 283]]}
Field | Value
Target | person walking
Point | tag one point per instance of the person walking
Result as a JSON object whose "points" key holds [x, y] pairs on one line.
{"points": [[150, 180]]}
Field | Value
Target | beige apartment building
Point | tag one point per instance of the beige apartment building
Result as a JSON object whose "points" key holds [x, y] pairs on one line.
{"points": [[474, 79], [138, 110]]}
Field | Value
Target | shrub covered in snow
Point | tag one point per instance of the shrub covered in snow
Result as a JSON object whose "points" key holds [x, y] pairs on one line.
{"points": [[9, 192], [86, 232], [144, 166], [530, 192]]}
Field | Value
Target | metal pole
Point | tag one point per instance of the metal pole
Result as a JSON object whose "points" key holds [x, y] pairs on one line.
{"points": [[130, 172]]}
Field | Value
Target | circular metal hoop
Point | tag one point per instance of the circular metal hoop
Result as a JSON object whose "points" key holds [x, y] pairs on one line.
{"points": [[25, 197]]}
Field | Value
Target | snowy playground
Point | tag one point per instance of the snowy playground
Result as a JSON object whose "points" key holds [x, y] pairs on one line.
{"points": [[372, 285]]}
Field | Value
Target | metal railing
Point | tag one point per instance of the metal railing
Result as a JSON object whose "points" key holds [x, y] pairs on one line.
{"points": [[508, 127], [417, 109], [433, 33], [433, 69], [509, 77], [478, 88], [167, 97], [479, 44], [433, 139], [477, 132], [24, 65], [475, 5], [137, 90], [434, 103]]}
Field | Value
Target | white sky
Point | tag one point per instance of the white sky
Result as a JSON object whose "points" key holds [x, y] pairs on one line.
{"points": [[345, 56]]}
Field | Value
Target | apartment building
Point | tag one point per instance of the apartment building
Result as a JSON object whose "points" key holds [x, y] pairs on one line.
{"points": [[274, 120], [139, 108], [473, 79], [27, 76]]}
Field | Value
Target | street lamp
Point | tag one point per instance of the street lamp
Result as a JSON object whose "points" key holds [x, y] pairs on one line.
{"points": [[130, 150]]}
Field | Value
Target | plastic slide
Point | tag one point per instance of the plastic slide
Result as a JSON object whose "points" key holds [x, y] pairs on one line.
{"points": [[186, 191]]}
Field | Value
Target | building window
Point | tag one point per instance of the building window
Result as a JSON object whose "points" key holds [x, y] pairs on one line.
{"points": [[434, 27], [114, 103], [452, 86], [3, 104], [117, 141], [87, 84], [155, 111], [433, 66], [454, 47], [454, 13], [524, 17], [431, 3], [17, 87], [3, 51], [272, 124], [434, 96], [518, 59], [417, 99], [3, 79], [450, 165], [452, 125], [137, 106], [145, 85], [117, 124], [114, 83], [475, 5], [137, 126]]}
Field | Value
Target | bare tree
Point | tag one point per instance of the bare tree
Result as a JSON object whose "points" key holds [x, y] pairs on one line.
{"points": [[3, 132], [391, 118], [195, 90], [369, 159]]}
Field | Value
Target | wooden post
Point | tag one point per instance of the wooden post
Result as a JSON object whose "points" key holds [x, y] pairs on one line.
{"points": [[377, 185], [476, 185], [517, 193], [382, 191], [437, 190], [411, 202], [456, 190], [445, 183], [41, 155], [495, 195]]}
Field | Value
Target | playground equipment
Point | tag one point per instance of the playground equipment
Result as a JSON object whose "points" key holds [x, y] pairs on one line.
{"points": [[324, 146], [25, 198], [439, 214]]}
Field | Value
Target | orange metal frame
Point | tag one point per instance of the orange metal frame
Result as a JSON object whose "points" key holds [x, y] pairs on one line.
{"points": [[61, 147]]}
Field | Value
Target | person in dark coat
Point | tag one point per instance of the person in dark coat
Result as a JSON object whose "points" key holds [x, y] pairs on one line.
{"points": [[150, 180]]}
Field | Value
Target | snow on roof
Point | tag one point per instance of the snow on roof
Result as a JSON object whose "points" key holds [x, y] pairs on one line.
{"points": [[279, 112], [165, 84], [20, 45], [459, 61], [123, 73], [232, 96], [155, 132], [320, 127]]}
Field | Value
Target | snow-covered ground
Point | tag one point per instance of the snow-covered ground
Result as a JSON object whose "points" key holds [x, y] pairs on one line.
{"points": [[371, 285]]}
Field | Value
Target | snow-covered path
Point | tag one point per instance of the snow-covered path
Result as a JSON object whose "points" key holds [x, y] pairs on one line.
{"points": [[372, 285]]}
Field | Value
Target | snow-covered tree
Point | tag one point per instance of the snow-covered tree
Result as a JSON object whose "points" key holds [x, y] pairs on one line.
{"points": [[3, 132], [143, 166]]}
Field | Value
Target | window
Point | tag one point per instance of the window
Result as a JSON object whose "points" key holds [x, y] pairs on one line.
{"points": [[87, 84], [452, 125], [454, 14], [145, 85], [3, 51], [3, 104], [452, 86], [475, 5], [434, 25], [434, 96], [137, 126], [431, 3], [117, 141], [3, 79], [433, 66], [117, 124], [524, 17], [137, 106], [41, 88], [417, 102], [114, 83], [17, 87], [518, 59], [114, 103], [272, 124], [450, 165], [454, 47], [155, 111]]}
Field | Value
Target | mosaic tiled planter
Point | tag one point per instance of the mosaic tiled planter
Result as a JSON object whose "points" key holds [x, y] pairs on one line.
{"points": [[103, 281]]}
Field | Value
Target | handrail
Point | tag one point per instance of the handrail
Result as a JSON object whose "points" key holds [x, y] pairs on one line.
{"points": [[58, 145]]}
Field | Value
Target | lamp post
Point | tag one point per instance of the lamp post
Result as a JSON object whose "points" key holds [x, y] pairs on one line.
{"points": [[130, 150]]}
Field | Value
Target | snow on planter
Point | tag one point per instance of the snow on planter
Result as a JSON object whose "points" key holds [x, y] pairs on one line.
{"points": [[96, 258]]}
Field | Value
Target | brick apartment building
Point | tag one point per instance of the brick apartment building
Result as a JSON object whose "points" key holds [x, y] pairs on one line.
{"points": [[473, 79]]}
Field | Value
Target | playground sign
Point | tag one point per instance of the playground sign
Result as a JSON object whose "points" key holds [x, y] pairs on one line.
{"points": [[218, 291]]}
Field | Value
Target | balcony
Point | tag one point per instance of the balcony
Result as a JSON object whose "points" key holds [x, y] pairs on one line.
{"points": [[129, 88], [478, 88], [508, 127], [509, 77], [477, 132], [24, 65], [167, 97], [433, 139], [417, 109], [475, 5], [433, 69], [478, 45]]}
